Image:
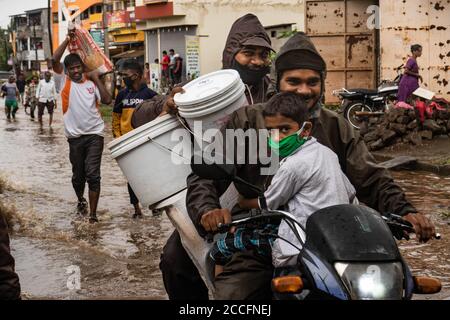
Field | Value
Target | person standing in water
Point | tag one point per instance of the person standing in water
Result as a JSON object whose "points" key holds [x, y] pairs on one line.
{"points": [[127, 100], [83, 124], [11, 93], [46, 95]]}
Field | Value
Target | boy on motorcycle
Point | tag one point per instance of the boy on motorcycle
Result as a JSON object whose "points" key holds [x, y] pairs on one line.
{"points": [[309, 179]]}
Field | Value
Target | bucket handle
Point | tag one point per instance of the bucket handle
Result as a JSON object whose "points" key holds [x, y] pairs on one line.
{"points": [[165, 148], [189, 129]]}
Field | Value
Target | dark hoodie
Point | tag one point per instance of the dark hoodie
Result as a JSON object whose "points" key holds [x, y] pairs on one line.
{"points": [[247, 30], [374, 185]]}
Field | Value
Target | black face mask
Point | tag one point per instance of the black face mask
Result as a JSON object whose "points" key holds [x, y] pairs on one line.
{"points": [[250, 76], [128, 82]]}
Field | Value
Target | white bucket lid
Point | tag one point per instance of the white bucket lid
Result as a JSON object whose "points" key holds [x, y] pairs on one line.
{"points": [[213, 106], [142, 134], [207, 87]]}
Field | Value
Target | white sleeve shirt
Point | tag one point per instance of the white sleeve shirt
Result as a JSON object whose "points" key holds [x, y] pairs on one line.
{"points": [[46, 91]]}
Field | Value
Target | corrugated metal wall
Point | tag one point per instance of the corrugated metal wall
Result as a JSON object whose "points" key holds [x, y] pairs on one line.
{"points": [[406, 22], [339, 31]]}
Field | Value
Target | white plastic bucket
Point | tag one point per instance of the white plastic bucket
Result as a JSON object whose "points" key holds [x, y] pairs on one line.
{"points": [[146, 159], [211, 98]]}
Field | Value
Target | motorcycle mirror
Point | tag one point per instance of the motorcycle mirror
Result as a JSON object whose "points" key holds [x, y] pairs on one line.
{"points": [[208, 168], [426, 285]]}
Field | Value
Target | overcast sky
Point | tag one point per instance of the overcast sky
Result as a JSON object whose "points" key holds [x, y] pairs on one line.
{"points": [[11, 7]]}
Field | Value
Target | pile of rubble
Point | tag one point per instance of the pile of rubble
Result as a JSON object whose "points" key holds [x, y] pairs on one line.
{"points": [[403, 126]]}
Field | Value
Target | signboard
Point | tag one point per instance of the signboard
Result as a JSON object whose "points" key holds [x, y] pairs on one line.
{"points": [[44, 66], [154, 76], [118, 19], [192, 57], [98, 36]]}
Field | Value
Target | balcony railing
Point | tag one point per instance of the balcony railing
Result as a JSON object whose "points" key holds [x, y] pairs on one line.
{"points": [[30, 55]]}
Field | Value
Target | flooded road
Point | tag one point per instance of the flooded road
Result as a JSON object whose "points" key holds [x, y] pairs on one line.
{"points": [[430, 194], [119, 257]]}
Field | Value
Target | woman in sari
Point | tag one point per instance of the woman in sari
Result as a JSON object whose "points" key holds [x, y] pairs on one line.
{"points": [[410, 79]]}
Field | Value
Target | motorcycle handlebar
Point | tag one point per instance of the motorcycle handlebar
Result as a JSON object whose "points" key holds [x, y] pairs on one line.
{"points": [[398, 226]]}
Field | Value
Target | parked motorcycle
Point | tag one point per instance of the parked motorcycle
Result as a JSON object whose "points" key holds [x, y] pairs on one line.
{"points": [[368, 100], [347, 252]]}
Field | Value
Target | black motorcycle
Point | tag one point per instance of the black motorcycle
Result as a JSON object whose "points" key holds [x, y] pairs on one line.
{"points": [[348, 252], [357, 101]]}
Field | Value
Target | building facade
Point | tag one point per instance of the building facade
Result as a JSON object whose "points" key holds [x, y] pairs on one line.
{"points": [[362, 41], [30, 39], [408, 22], [197, 30], [127, 41], [120, 24]]}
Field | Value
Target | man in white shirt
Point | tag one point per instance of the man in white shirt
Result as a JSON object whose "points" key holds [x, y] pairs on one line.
{"points": [[83, 124], [46, 96]]}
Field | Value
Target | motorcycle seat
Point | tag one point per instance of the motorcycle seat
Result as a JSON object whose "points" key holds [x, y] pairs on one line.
{"points": [[368, 92], [351, 95]]}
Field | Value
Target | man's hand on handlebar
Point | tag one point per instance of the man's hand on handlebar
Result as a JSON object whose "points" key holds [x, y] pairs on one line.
{"points": [[423, 227], [211, 219]]}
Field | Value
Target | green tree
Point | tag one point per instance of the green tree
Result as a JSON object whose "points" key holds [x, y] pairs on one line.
{"points": [[5, 49]]}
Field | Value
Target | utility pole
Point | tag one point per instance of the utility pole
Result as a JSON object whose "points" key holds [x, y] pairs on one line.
{"points": [[105, 30], [49, 22]]}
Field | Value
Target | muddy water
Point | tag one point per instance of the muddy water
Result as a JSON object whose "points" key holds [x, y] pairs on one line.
{"points": [[118, 258], [431, 195]]}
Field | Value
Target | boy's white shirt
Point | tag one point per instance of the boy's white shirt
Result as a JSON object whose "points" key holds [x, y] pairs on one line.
{"points": [[308, 180]]}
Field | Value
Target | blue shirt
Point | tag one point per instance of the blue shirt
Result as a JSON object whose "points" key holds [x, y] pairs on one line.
{"points": [[131, 99]]}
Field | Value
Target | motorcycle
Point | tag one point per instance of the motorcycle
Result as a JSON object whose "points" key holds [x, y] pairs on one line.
{"points": [[348, 252], [354, 101]]}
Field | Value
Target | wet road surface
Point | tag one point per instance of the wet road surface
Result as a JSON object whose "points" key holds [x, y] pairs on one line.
{"points": [[119, 257]]}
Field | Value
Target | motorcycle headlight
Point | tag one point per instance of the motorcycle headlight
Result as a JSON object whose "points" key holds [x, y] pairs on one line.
{"points": [[372, 281]]}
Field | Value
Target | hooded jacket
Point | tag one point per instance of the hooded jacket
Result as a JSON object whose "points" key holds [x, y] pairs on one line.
{"points": [[374, 185], [246, 30], [9, 281]]}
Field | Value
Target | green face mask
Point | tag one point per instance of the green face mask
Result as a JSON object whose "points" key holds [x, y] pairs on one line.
{"points": [[286, 146]]}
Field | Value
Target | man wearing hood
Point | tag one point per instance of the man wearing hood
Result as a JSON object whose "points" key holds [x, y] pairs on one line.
{"points": [[247, 51], [299, 68]]}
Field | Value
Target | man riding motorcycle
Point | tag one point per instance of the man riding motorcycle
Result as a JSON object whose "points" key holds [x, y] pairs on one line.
{"points": [[299, 68], [247, 51]]}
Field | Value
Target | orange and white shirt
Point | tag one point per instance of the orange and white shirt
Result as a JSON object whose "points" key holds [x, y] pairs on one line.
{"points": [[80, 102]]}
